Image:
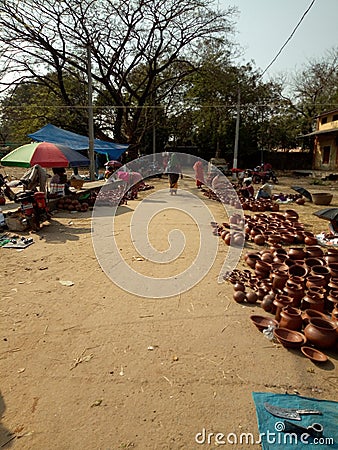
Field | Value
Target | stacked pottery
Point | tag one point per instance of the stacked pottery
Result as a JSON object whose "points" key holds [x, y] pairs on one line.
{"points": [[291, 318], [321, 332]]}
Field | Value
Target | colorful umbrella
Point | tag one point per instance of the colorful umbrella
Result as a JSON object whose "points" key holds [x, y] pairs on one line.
{"points": [[46, 155]]}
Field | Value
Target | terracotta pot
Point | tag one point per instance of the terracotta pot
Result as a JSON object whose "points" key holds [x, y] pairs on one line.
{"points": [[331, 256], [296, 253], [314, 251], [310, 240], [280, 302], [239, 287], [291, 215], [267, 302], [251, 259], [279, 278], [321, 332], [259, 239], [298, 270], [313, 301], [310, 262], [321, 270], [318, 280], [334, 314], [332, 300], [239, 296], [309, 314], [291, 318], [333, 269], [295, 292]]}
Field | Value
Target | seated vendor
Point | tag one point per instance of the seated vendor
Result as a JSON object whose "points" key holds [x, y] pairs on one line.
{"points": [[59, 185], [247, 190], [264, 192]]}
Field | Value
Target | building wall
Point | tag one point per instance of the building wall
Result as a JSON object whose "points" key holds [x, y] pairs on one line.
{"points": [[321, 159]]}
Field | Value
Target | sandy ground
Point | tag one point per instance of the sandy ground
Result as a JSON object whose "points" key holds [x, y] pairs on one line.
{"points": [[91, 366]]}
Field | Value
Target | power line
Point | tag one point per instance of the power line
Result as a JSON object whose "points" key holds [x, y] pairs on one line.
{"points": [[289, 38]]}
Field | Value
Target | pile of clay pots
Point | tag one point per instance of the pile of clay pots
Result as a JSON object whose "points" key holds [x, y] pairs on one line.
{"points": [[275, 229], [299, 286]]}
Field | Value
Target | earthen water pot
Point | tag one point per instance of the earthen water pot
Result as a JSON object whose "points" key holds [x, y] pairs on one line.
{"points": [[251, 259], [279, 278], [331, 256], [311, 261], [313, 301], [267, 302], [280, 302], [309, 240], [315, 280], [296, 253], [291, 215], [333, 269], [314, 251], [309, 314], [321, 332], [297, 270], [295, 292], [291, 318], [321, 270], [332, 300]]}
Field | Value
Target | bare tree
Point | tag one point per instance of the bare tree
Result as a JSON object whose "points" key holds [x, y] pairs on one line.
{"points": [[140, 49]]}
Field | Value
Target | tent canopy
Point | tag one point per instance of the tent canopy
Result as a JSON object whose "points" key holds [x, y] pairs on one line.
{"points": [[55, 135]]}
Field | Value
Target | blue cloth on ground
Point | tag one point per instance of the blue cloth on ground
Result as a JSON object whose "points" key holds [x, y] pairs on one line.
{"points": [[268, 424]]}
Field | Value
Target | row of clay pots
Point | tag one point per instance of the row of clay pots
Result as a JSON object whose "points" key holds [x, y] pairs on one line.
{"points": [[317, 327]]}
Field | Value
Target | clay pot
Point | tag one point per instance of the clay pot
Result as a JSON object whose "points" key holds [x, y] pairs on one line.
{"points": [[321, 332], [332, 300], [263, 266], [279, 278], [295, 292], [333, 269], [251, 297], [334, 314], [331, 256], [291, 318], [300, 201], [310, 262], [291, 215], [313, 301], [315, 280], [321, 270], [297, 270], [309, 314], [239, 286], [267, 257], [239, 296], [259, 239], [314, 251], [251, 259], [267, 302], [280, 302], [296, 253], [310, 240]]}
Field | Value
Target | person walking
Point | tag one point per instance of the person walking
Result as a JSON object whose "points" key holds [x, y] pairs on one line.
{"points": [[174, 171], [199, 174]]}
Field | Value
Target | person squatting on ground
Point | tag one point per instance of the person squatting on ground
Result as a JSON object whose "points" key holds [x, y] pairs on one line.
{"points": [[247, 191], [264, 192]]}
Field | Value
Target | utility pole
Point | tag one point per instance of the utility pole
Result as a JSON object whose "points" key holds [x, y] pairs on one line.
{"points": [[90, 116], [237, 130]]}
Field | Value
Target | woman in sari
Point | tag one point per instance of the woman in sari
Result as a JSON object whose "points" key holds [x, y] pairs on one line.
{"points": [[174, 171], [199, 174]]}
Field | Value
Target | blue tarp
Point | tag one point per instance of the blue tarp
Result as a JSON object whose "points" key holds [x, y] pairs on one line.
{"points": [[55, 135]]}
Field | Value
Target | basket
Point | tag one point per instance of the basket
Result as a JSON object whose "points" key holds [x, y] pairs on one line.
{"points": [[322, 198], [77, 184]]}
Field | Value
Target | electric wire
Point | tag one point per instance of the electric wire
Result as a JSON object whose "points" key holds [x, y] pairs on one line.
{"points": [[289, 38]]}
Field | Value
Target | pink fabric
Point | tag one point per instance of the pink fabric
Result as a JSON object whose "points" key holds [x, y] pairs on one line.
{"points": [[130, 177]]}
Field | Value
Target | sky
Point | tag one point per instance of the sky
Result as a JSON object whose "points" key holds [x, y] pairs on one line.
{"points": [[263, 26]]}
